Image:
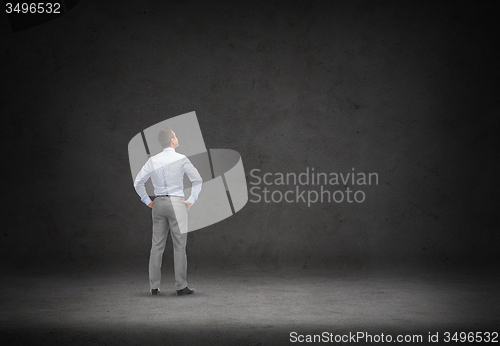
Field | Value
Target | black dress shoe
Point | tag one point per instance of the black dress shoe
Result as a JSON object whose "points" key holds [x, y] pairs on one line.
{"points": [[185, 290], [155, 291]]}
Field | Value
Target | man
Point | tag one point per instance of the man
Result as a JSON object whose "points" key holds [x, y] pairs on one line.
{"points": [[166, 171]]}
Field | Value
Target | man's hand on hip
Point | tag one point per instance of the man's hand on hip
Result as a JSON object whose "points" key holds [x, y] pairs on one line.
{"points": [[151, 204], [188, 204]]}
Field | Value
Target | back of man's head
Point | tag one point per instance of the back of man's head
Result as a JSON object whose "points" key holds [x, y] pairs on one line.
{"points": [[165, 137]]}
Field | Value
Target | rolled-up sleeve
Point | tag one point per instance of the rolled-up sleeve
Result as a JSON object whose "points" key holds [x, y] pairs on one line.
{"points": [[139, 182], [195, 178]]}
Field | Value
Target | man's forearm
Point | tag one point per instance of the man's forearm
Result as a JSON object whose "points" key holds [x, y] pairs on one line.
{"points": [[195, 190], [141, 191]]}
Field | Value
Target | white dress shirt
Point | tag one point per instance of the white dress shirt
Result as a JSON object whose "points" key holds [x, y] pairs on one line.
{"points": [[166, 170]]}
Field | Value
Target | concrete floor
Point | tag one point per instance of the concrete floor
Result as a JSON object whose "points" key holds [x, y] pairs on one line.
{"points": [[242, 307]]}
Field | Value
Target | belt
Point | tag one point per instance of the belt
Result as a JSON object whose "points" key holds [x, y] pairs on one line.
{"points": [[167, 196]]}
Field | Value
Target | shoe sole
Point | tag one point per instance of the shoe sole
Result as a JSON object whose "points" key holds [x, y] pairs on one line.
{"points": [[184, 293]]}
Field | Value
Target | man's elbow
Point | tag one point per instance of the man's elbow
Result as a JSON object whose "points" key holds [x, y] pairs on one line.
{"points": [[138, 184], [198, 181]]}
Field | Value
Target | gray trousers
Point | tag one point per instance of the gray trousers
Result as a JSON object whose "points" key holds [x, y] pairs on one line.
{"points": [[169, 214]]}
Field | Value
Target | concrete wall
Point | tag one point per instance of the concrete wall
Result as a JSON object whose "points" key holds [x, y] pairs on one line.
{"points": [[406, 90]]}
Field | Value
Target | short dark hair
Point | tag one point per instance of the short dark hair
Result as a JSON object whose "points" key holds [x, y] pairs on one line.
{"points": [[165, 137]]}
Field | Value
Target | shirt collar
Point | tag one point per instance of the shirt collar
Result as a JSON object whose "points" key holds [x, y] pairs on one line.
{"points": [[169, 149]]}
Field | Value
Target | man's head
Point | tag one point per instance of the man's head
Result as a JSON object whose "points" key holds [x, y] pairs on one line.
{"points": [[167, 138]]}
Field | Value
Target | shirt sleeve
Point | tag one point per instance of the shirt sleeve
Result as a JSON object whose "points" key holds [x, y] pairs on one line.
{"points": [[139, 182], [195, 178]]}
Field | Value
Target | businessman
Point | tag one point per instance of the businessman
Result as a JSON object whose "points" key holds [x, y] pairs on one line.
{"points": [[169, 213]]}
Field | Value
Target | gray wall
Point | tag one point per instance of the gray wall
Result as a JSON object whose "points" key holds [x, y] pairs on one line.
{"points": [[404, 89]]}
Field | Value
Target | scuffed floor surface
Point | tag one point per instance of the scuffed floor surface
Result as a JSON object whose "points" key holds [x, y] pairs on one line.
{"points": [[242, 307]]}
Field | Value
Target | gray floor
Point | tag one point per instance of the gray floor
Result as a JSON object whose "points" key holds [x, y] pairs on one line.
{"points": [[247, 307]]}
